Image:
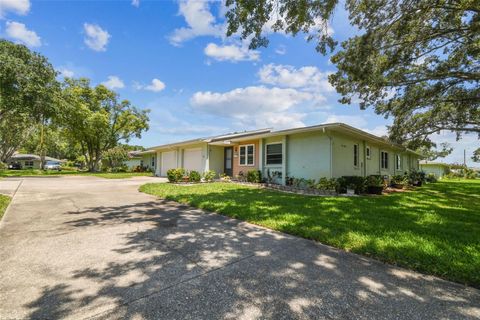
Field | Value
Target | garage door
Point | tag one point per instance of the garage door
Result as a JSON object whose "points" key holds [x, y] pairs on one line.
{"points": [[169, 161], [193, 159]]}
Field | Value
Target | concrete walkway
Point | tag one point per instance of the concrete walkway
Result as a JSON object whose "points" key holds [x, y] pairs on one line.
{"points": [[86, 247]]}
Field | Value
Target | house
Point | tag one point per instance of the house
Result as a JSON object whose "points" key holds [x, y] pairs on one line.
{"points": [[326, 150], [135, 159], [438, 169], [29, 161]]}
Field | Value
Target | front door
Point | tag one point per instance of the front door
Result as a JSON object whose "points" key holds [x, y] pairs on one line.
{"points": [[228, 163]]}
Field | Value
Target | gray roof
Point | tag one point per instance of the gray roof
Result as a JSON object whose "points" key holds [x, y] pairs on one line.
{"points": [[31, 157]]}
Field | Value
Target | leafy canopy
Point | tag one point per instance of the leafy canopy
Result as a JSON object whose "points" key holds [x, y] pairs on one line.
{"points": [[98, 121], [415, 60]]}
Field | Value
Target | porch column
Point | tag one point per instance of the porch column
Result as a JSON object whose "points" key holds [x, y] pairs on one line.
{"points": [[261, 152]]}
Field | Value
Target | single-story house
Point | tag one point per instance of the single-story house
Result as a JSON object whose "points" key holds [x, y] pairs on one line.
{"points": [[326, 150], [135, 159], [438, 169], [29, 161]]}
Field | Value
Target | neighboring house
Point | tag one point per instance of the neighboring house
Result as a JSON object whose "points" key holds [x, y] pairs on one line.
{"points": [[29, 161], [135, 159], [327, 150], [439, 169]]}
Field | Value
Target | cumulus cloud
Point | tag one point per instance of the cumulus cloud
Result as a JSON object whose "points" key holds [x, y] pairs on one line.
{"points": [[96, 38], [199, 19], [136, 3], [19, 33], [308, 77], [155, 85], [254, 106], [113, 82], [231, 53], [354, 121], [281, 50], [67, 73], [21, 7]]}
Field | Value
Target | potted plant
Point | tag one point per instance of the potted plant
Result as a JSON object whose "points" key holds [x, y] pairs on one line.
{"points": [[351, 189], [399, 181], [374, 184]]}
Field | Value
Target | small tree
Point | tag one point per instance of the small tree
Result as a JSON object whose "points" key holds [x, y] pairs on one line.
{"points": [[476, 155], [115, 157], [98, 121]]}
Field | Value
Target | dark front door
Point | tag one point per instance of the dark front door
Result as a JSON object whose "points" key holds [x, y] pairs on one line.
{"points": [[228, 161]]}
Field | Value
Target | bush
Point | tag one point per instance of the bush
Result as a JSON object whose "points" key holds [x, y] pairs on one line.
{"points": [[327, 184], [416, 178], [175, 175], [209, 175], [374, 181], [254, 176], [356, 181], [399, 180], [194, 176], [3, 166], [431, 178]]}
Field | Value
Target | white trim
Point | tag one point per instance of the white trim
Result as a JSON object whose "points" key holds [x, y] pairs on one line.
{"points": [[283, 154], [246, 155]]}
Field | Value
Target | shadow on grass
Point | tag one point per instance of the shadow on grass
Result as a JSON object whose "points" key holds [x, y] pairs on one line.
{"points": [[178, 262]]}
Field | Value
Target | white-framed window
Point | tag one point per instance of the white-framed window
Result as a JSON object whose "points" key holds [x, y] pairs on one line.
{"points": [[355, 155], [398, 162], [368, 152], [247, 155], [28, 163], [384, 160], [153, 161], [274, 154]]}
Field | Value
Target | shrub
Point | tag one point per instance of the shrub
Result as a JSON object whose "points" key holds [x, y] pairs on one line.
{"points": [[3, 166], [327, 184], [194, 176], [374, 181], [431, 178], [209, 175], [241, 177], [399, 180], [254, 176], [357, 181], [416, 178], [175, 175]]}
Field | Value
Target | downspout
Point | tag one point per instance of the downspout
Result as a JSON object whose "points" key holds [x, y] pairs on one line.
{"points": [[364, 158], [330, 138]]}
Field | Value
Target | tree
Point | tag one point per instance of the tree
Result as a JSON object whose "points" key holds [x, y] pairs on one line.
{"points": [[415, 60], [28, 87], [98, 121], [14, 131], [432, 154], [115, 157], [476, 155]]}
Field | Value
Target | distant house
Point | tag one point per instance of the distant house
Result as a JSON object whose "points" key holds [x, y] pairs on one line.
{"points": [[327, 150], [438, 169], [29, 161], [135, 159]]}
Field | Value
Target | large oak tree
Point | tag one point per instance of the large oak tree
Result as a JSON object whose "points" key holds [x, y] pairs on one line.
{"points": [[415, 60]]}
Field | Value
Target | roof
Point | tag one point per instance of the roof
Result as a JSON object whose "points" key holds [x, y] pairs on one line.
{"points": [[268, 132], [431, 163], [31, 157]]}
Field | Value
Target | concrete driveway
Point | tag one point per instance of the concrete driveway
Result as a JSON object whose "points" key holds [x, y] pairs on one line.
{"points": [[86, 247]]}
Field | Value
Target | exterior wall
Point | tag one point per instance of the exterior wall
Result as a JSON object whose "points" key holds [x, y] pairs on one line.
{"points": [[132, 163], [216, 159], [147, 161], [436, 169], [308, 155], [342, 164], [236, 158]]}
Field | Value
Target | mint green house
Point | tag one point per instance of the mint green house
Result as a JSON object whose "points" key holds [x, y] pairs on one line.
{"points": [[438, 169], [326, 150]]}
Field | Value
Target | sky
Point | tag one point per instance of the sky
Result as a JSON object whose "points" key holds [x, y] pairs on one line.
{"points": [[173, 58]]}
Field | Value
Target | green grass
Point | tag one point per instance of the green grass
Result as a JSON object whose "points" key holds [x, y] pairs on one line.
{"points": [[434, 229], [36, 172], [4, 201]]}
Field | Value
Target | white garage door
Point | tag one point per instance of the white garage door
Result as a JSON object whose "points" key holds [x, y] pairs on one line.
{"points": [[169, 161], [193, 159]]}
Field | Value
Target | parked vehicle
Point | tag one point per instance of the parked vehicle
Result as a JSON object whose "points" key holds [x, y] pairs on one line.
{"points": [[53, 165], [15, 166]]}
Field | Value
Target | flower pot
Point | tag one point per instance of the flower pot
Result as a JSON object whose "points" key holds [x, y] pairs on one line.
{"points": [[374, 189]]}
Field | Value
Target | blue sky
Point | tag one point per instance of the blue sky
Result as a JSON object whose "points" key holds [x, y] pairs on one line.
{"points": [[173, 58]]}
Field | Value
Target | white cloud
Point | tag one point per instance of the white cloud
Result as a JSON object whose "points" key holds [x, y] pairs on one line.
{"points": [[16, 6], [308, 77], [114, 82], [254, 106], [136, 3], [66, 72], [468, 142], [156, 85], [96, 37], [281, 50], [231, 53], [19, 32], [354, 121], [199, 19]]}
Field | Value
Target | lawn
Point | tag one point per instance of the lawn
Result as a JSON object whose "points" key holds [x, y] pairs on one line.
{"points": [[4, 201], [434, 229], [35, 172]]}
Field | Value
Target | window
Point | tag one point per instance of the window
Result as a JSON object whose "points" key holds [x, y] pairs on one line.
{"points": [[274, 153], [398, 162], [355, 155], [384, 160], [28, 163], [369, 153], [247, 155], [153, 161]]}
